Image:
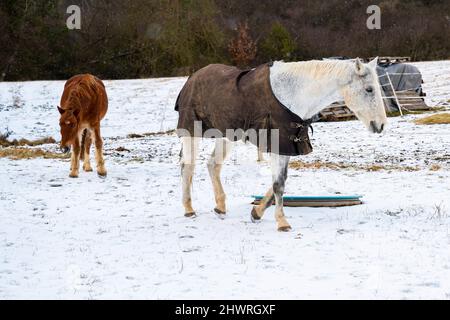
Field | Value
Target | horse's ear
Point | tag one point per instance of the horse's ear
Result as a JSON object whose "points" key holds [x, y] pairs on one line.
{"points": [[374, 63], [61, 111], [359, 66]]}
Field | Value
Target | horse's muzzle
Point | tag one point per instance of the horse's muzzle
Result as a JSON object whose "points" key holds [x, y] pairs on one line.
{"points": [[65, 150], [376, 129]]}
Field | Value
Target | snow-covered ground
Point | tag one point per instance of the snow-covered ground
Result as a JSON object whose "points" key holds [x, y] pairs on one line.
{"points": [[126, 236]]}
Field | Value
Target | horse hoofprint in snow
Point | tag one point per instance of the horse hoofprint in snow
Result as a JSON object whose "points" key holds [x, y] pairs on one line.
{"points": [[282, 97]]}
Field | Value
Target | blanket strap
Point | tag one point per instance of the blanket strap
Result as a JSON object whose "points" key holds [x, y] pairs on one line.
{"points": [[301, 135]]}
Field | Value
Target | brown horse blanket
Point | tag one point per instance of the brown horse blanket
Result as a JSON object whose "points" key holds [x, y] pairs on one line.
{"points": [[224, 97]]}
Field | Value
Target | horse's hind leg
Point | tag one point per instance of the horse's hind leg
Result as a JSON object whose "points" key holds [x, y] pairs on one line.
{"points": [[221, 151], [83, 140], [101, 170], [87, 148], [188, 158], [260, 156]]}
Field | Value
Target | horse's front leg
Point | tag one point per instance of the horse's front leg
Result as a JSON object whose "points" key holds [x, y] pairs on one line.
{"points": [[75, 158], [266, 202], [279, 173], [279, 166]]}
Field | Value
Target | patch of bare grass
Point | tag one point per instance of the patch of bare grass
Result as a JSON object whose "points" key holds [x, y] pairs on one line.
{"points": [[435, 167], [441, 118], [122, 149], [300, 165], [393, 114], [150, 134], [15, 153], [5, 142]]}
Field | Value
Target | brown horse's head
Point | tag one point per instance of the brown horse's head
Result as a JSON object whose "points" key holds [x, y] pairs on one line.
{"points": [[69, 128]]}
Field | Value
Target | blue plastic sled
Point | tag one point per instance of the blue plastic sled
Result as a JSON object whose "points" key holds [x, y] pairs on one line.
{"points": [[317, 201]]}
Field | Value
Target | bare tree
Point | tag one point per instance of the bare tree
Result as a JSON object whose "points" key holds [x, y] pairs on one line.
{"points": [[242, 48]]}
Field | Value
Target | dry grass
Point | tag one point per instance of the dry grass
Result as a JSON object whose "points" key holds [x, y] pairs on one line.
{"points": [[26, 153], [12, 148], [122, 149], [435, 167], [150, 134], [392, 114], [300, 165], [441, 118], [4, 142]]}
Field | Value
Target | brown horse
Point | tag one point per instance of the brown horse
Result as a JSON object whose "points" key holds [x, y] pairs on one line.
{"points": [[84, 104]]}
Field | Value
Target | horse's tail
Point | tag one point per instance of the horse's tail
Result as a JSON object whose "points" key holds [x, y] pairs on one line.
{"points": [[177, 106], [83, 143]]}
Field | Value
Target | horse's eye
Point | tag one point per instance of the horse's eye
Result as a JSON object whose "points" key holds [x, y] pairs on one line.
{"points": [[369, 90]]}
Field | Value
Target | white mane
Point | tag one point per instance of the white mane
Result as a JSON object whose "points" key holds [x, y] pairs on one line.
{"points": [[308, 87]]}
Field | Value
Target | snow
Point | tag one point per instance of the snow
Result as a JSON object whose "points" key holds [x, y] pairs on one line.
{"points": [[126, 237], [436, 81]]}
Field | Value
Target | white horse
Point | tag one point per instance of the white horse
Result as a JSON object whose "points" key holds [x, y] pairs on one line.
{"points": [[305, 88]]}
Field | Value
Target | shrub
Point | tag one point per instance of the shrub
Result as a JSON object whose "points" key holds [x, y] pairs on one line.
{"points": [[279, 44]]}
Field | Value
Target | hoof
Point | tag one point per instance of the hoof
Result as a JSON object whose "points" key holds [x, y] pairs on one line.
{"points": [[102, 174], [284, 229], [190, 214], [254, 216], [219, 213], [73, 175], [87, 169]]}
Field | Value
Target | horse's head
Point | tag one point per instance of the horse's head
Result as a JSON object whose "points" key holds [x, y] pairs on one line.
{"points": [[362, 95], [69, 128]]}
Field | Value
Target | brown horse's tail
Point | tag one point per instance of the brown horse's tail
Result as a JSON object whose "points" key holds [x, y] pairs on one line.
{"points": [[83, 143]]}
